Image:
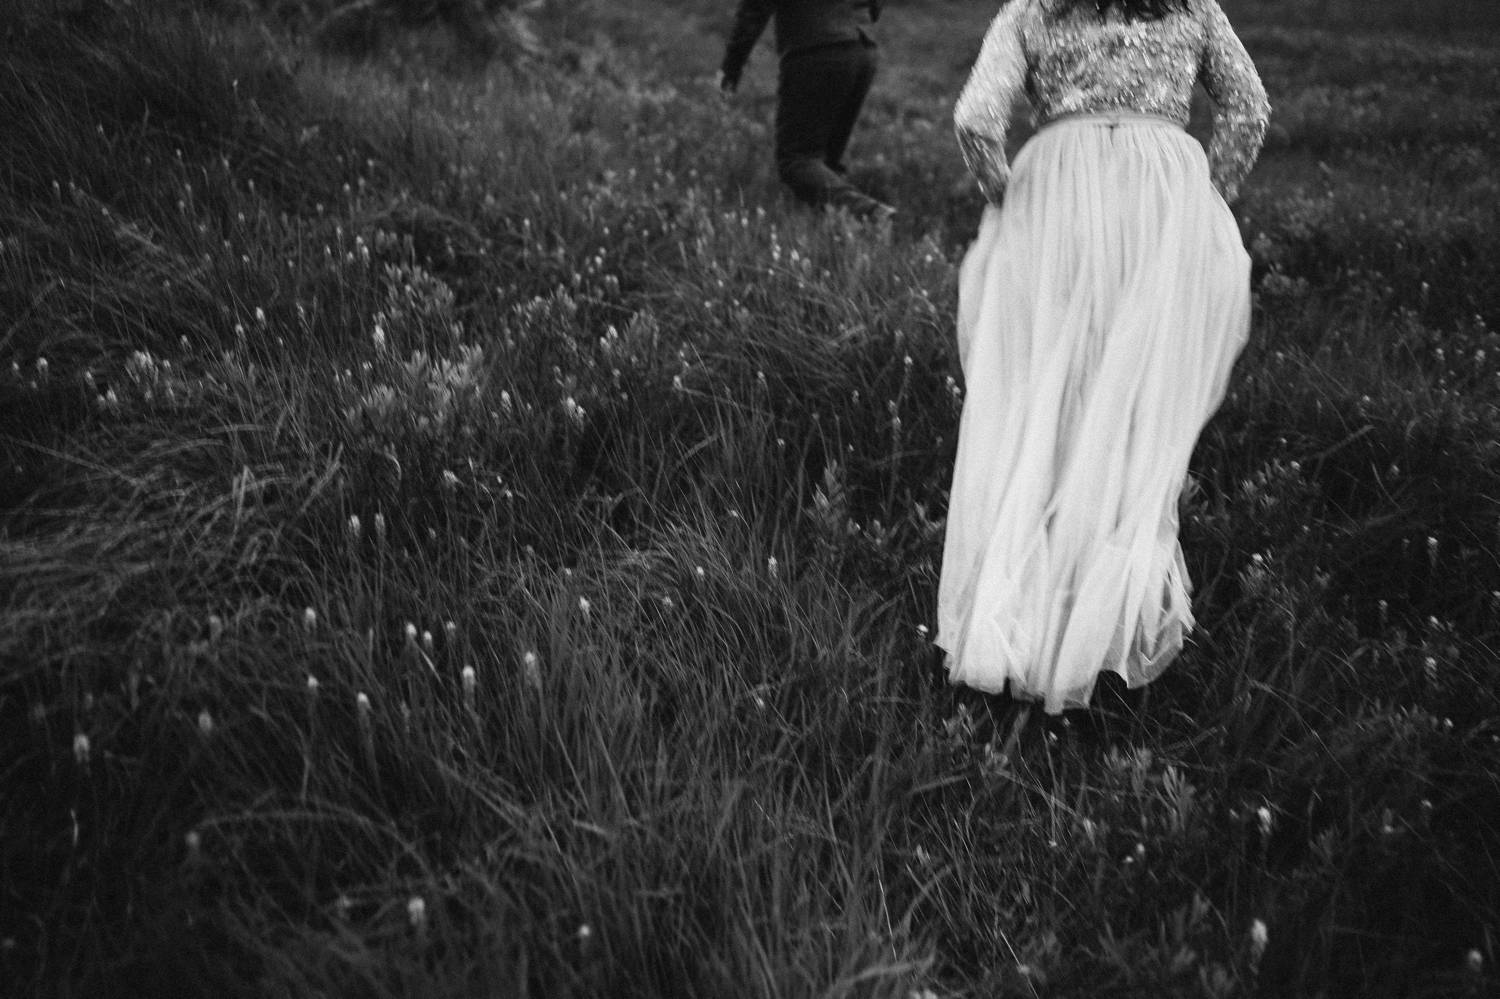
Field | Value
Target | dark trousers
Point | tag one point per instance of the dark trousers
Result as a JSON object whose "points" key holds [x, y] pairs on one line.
{"points": [[818, 97]]}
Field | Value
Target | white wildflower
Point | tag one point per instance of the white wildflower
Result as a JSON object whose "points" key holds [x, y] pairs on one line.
{"points": [[576, 413], [1259, 937], [470, 685]]}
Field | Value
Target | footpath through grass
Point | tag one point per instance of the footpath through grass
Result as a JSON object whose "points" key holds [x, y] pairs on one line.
{"points": [[463, 533]]}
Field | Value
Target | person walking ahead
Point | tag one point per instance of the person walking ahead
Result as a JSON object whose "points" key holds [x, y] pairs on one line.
{"points": [[828, 61]]}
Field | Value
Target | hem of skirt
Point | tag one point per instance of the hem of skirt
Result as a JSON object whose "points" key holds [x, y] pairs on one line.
{"points": [[1010, 686]]}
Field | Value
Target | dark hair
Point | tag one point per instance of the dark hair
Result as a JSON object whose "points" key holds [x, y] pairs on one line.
{"points": [[1135, 10]]}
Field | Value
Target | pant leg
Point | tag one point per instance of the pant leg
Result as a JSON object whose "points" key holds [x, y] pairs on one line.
{"points": [[862, 63], [813, 92]]}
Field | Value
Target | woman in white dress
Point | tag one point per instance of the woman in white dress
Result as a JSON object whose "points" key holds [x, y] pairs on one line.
{"points": [[1101, 308]]}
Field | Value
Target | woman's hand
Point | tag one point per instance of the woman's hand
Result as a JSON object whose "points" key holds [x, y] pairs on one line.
{"points": [[991, 183], [985, 159]]}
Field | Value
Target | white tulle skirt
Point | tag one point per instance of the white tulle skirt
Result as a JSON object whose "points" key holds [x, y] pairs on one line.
{"points": [[1100, 311]]}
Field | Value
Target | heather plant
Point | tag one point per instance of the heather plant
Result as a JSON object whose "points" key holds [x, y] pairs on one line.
{"points": [[465, 533]]}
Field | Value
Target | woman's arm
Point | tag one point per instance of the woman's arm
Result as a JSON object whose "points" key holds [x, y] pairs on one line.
{"points": [[1241, 109], [982, 115]]}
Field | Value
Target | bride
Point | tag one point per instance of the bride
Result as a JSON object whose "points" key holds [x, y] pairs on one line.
{"points": [[1101, 307]]}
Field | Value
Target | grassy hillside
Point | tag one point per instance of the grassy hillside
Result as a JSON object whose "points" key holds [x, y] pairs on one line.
{"points": [[463, 532]]}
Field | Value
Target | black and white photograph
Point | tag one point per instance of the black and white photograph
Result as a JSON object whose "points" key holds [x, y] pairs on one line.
{"points": [[749, 499]]}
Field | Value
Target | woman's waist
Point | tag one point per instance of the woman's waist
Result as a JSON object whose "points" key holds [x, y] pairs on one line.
{"points": [[1111, 117]]}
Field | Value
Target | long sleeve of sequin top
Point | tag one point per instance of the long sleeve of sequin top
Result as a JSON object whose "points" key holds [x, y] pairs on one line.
{"points": [[1242, 110], [1069, 60], [982, 115]]}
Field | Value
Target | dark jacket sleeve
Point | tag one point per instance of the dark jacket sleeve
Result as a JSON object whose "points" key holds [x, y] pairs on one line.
{"points": [[749, 21]]}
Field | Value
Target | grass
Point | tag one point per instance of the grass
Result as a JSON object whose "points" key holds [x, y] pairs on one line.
{"points": [[465, 533]]}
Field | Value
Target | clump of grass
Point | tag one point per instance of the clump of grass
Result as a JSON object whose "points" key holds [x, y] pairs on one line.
{"points": [[1461, 21], [465, 542]]}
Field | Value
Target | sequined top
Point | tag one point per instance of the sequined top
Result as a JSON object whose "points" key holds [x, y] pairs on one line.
{"points": [[1067, 60]]}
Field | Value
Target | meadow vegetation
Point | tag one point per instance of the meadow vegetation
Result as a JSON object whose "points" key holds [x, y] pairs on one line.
{"points": [[463, 532]]}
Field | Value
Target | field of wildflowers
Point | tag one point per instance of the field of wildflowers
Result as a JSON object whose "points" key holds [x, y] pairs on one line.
{"points": [[463, 532]]}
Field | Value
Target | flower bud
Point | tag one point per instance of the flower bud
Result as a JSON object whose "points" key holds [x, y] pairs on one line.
{"points": [[470, 685], [416, 912], [1259, 937]]}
